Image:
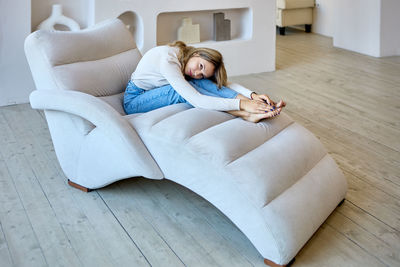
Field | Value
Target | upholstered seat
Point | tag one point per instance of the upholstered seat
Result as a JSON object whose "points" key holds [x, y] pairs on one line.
{"points": [[273, 179], [294, 12]]}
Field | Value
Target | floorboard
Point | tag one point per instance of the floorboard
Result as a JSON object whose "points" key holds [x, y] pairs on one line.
{"points": [[126, 203]]}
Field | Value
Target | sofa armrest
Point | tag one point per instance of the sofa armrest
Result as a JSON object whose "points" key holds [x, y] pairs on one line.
{"points": [[101, 115], [83, 105]]}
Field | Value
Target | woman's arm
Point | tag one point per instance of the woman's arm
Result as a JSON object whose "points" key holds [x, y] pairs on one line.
{"points": [[240, 89], [171, 70], [250, 94], [173, 74]]}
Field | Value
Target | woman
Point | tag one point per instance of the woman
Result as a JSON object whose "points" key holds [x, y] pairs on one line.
{"points": [[178, 73]]}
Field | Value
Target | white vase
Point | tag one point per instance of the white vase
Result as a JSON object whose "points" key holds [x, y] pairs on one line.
{"points": [[57, 17]]}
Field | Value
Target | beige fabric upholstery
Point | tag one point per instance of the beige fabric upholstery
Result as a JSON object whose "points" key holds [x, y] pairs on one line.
{"points": [[292, 4], [291, 17], [294, 12], [278, 200]]}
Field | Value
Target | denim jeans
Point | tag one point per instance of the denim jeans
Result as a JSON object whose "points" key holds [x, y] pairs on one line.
{"points": [[138, 100]]}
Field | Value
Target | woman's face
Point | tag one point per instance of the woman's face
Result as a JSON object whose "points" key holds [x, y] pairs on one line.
{"points": [[199, 68]]}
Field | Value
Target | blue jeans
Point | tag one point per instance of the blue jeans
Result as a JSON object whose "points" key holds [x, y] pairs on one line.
{"points": [[138, 100]]}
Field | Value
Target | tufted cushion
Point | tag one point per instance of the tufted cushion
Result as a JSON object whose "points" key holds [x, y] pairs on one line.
{"points": [[234, 139], [191, 123], [254, 154], [64, 47], [97, 61], [276, 164], [101, 77]]}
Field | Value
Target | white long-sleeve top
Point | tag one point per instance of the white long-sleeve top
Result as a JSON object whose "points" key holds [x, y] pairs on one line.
{"points": [[160, 66]]}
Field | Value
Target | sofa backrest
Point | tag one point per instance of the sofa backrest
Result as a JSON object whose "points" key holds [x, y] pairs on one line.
{"points": [[97, 60]]}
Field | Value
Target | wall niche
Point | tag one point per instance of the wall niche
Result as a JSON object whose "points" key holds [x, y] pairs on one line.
{"points": [[169, 22]]}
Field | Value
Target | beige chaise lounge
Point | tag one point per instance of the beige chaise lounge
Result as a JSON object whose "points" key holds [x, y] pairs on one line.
{"points": [[277, 202], [294, 12]]}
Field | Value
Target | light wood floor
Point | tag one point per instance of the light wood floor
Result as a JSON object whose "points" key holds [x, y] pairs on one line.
{"points": [[351, 102]]}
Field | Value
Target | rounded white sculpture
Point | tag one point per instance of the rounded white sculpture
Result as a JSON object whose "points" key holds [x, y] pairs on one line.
{"points": [[57, 17]]}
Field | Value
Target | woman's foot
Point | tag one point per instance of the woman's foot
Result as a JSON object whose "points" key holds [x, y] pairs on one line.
{"points": [[256, 117], [280, 104]]}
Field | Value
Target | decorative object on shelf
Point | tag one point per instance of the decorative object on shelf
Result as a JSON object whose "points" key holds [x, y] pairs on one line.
{"points": [[188, 32], [222, 27], [57, 17]]}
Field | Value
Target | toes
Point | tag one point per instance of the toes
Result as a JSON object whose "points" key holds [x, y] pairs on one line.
{"points": [[281, 104], [267, 114], [277, 112]]}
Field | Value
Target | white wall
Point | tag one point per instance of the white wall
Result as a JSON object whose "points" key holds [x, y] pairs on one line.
{"points": [[323, 17], [390, 28], [357, 26], [15, 78], [370, 27]]}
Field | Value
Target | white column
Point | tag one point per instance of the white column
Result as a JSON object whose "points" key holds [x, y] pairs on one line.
{"points": [[390, 28], [16, 81], [357, 26]]}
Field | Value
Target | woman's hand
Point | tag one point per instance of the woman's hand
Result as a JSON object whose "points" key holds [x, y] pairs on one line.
{"points": [[268, 100], [265, 98]]}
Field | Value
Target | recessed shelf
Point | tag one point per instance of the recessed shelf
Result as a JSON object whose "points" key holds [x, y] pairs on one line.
{"points": [[169, 22], [252, 45]]}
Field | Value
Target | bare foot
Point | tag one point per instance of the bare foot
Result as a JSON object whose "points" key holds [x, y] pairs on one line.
{"points": [[256, 117], [281, 104]]}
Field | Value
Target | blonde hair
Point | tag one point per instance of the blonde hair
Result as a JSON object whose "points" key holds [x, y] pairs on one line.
{"points": [[211, 55]]}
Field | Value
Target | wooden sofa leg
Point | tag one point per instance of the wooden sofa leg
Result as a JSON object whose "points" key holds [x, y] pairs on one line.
{"points": [[273, 264], [77, 186], [308, 27], [281, 30]]}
